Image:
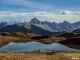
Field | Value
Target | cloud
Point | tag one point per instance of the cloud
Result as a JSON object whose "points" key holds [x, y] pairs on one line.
{"points": [[43, 16], [27, 3], [66, 12]]}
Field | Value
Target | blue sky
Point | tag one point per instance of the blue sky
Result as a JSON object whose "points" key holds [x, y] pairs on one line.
{"points": [[50, 10], [39, 5]]}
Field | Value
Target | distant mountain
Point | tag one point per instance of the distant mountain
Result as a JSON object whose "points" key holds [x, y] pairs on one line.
{"points": [[76, 25], [46, 26], [55, 27], [66, 26], [15, 28], [77, 31], [3, 24], [40, 24], [34, 21], [40, 31], [26, 29]]}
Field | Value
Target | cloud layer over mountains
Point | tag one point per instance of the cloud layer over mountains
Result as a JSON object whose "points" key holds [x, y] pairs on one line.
{"points": [[48, 16]]}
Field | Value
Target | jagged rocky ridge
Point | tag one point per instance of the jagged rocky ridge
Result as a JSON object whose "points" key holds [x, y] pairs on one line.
{"points": [[56, 27], [26, 28], [40, 27]]}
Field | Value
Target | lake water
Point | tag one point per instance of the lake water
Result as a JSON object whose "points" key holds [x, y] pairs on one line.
{"points": [[31, 46]]}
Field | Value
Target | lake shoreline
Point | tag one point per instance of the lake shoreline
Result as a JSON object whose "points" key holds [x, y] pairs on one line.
{"points": [[6, 38], [36, 47], [66, 38]]}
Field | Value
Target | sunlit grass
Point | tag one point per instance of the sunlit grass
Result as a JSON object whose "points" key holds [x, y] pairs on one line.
{"points": [[39, 56]]}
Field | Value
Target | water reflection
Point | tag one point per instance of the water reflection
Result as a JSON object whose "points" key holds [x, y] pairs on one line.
{"points": [[31, 46]]}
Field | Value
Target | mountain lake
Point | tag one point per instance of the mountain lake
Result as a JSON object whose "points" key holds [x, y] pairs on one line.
{"points": [[32, 46]]}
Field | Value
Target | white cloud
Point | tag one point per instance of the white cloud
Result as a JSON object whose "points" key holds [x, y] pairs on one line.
{"points": [[66, 12], [49, 16]]}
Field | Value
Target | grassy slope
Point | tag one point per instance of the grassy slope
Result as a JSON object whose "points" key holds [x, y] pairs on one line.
{"points": [[5, 38]]}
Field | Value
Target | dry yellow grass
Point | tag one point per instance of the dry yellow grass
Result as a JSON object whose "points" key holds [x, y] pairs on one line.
{"points": [[6, 38], [19, 37], [52, 39], [40, 56]]}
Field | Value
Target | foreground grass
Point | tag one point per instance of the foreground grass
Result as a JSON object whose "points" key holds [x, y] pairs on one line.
{"points": [[6, 38], [40, 56]]}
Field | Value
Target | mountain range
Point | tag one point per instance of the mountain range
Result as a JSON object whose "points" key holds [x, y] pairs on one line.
{"points": [[26, 28], [40, 27], [56, 27]]}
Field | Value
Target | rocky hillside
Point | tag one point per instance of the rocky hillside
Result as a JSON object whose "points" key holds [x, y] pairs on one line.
{"points": [[3, 24], [26, 29], [15, 28], [55, 27], [77, 31], [48, 26]]}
